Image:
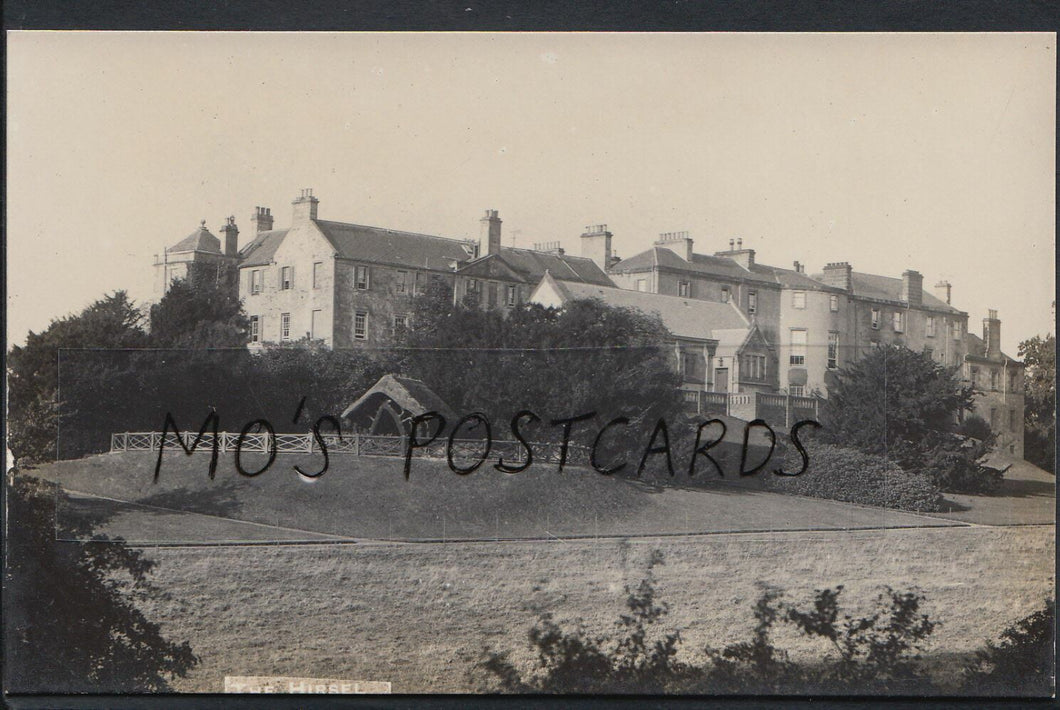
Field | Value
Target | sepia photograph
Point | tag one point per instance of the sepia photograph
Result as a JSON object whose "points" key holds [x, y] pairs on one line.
{"points": [[666, 364]]}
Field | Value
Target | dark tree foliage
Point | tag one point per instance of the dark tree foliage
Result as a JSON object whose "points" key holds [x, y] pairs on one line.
{"points": [[903, 405], [893, 396], [976, 427], [71, 622], [1039, 403], [585, 357], [880, 652], [1022, 663], [199, 314], [34, 370]]}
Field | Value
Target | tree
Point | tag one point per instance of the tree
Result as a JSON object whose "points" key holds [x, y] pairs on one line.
{"points": [[585, 357], [903, 405], [199, 314], [71, 622], [33, 369], [1039, 403]]}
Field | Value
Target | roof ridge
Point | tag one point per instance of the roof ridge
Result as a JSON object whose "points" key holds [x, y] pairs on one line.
{"points": [[393, 231]]}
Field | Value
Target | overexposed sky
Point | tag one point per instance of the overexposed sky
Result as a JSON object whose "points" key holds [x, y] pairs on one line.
{"points": [[925, 151]]}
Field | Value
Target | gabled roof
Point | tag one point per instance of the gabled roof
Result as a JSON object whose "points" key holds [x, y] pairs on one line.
{"points": [[260, 251], [719, 266], [411, 395], [733, 340], [684, 317], [530, 266], [491, 266], [887, 288], [199, 240], [976, 348], [387, 246]]}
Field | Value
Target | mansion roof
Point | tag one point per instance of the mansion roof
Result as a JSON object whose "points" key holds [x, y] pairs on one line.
{"points": [[199, 240], [683, 317]]}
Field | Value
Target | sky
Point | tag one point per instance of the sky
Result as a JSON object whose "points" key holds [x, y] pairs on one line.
{"points": [[934, 152]]}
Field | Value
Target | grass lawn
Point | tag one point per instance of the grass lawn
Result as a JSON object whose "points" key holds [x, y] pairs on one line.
{"points": [[419, 615], [368, 497]]}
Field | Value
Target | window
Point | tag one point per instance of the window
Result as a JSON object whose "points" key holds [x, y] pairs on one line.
{"points": [[956, 330], [929, 352], [285, 326], [688, 364], [255, 329], [360, 325], [402, 282], [1012, 381], [255, 281], [833, 303], [753, 367], [798, 347], [898, 320], [994, 379], [993, 418], [1012, 420], [752, 301], [361, 278], [797, 390], [416, 290], [472, 285], [511, 296], [684, 289], [642, 285], [798, 299], [401, 322], [318, 273], [929, 327], [973, 375], [316, 325], [492, 295], [833, 350], [875, 318], [726, 295], [286, 278]]}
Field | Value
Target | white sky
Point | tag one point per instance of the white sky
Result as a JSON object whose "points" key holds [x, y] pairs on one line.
{"points": [[933, 152]]}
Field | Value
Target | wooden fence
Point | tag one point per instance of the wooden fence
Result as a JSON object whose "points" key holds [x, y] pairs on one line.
{"points": [[356, 444]]}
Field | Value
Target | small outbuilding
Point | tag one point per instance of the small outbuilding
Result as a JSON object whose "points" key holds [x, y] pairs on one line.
{"points": [[388, 407]]}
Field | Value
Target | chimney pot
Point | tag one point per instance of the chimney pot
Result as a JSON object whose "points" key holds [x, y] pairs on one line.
{"points": [[838, 275], [261, 219]]}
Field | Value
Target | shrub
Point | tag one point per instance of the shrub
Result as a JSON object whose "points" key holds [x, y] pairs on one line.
{"points": [[975, 427], [952, 464], [634, 660], [1022, 662], [849, 475]]}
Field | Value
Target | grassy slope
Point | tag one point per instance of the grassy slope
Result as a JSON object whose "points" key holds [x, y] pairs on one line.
{"points": [[369, 497], [419, 615]]}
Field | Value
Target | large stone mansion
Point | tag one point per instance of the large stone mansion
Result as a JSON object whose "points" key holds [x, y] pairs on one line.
{"points": [[739, 326]]}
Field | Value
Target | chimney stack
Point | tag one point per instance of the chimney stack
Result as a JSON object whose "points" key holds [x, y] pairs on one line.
{"points": [[596, 245], [305, 207], [992, 334], [490, 234], [838, 274], [677, 242], [943, 291], [798, 268], [261, 219], [231, 233], [743, 257], [912, 287]]}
